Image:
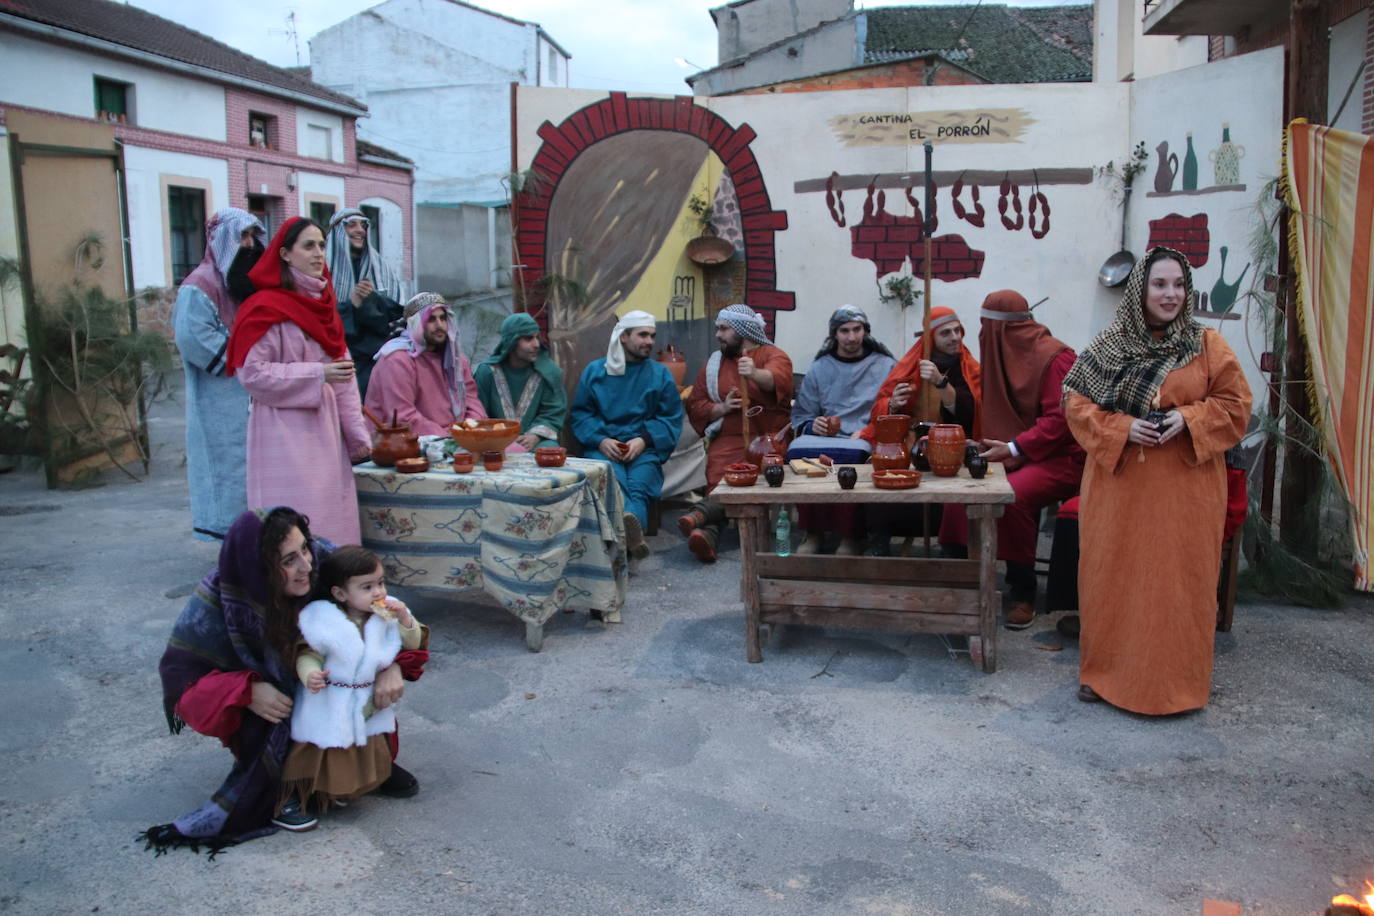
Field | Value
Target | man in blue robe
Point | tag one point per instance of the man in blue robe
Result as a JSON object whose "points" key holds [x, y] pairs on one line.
{"points": [[627, 411], [216, 405]]}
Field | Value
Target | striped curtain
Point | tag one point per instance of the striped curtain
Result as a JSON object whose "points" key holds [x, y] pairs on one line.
{"points": [[1329, 177]]}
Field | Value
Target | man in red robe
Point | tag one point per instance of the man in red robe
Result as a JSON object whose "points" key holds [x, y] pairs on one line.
{"points": [[1023, 427]]}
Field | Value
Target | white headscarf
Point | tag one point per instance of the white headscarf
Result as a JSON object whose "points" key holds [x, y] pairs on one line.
{"points": [[370, 264], [615, 353]]}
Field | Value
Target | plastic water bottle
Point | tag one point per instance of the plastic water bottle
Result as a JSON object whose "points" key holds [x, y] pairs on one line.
{"points": [[783, 533]]}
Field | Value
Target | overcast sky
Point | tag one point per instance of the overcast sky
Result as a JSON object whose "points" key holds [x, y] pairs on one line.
{"points": [[615, 44]]}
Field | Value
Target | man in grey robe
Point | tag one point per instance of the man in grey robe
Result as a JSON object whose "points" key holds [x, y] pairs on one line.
{"points": [[830, 410], [216, 405]]}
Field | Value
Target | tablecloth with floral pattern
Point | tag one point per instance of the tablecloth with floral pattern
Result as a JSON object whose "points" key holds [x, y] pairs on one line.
{"points": [[537, 539]]}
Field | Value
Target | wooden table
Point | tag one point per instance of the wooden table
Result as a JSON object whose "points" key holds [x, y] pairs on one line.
{"points": [[900, 594], [539, 540]]}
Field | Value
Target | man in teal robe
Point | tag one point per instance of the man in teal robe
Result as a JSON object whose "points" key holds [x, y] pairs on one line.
{"points": [[627, 411], [519, 381]]}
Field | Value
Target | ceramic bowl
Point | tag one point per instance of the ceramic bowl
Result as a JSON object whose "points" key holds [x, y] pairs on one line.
{"points": [[741, 475], [412, 465], [492, 459], [896, 480], [486, 436], [550, 456], [463, 462]]}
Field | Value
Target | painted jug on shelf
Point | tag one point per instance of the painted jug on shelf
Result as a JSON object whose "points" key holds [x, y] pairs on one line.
{"points": [[890, 451], [1226, 159]]}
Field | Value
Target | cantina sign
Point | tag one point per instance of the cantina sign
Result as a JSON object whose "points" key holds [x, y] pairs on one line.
{"points": [[895, 128]]}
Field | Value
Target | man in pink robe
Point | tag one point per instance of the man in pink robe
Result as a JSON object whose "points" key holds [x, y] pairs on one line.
{"points": [[422, 377]]}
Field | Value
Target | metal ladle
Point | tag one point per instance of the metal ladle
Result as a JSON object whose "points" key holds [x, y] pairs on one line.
{"points": [[1117, 268]]}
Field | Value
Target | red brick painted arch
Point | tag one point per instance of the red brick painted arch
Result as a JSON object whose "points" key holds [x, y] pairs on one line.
{"points": [[618, 114]]}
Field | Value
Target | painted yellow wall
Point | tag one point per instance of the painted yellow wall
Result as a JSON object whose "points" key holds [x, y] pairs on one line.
{"points": [[655, 287]]}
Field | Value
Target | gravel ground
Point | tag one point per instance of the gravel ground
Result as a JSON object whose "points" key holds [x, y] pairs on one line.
{"points": [[647, 768]]}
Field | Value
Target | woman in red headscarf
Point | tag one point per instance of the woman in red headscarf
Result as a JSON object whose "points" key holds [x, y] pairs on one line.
{"points": [[288, 351]]}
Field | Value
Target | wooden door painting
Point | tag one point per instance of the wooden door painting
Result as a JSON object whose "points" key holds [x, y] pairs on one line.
{"points": [[602, 228]]}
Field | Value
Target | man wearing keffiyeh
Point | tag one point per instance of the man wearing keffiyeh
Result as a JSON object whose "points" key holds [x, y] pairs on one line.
{"points": [[368, 291], [422, 376], [216, 406], [746, 359]]}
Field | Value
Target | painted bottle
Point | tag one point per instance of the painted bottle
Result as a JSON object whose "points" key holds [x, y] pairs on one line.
{"points": [[1190, 167], [1226, 159]]}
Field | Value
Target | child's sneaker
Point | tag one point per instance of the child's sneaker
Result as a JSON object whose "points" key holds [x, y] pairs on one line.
{"points": [[293, 817]]}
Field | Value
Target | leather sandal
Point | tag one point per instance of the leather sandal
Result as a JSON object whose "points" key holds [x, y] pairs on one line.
{"points": [[690, 521]]}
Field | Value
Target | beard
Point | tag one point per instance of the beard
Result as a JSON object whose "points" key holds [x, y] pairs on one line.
{"points": [[731, 350], [240, 287]]}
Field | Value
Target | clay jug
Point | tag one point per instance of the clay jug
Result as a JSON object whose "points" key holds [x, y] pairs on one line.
{"points": [[765, 443], [676, 363], [945, 448], [890, 451], [393, 442]]}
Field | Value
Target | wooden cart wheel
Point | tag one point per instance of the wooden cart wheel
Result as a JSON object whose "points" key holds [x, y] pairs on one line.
{"points": [[975, 650]]}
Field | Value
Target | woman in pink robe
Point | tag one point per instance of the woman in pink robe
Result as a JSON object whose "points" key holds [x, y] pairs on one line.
{"points": [[306, 426]]}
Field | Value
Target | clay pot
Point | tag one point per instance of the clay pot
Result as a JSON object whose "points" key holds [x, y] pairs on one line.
{"points": [[550, 456], [741, 475], [889, 448], [463, 462], [971, 451], [774, 474], [765, 445], [393, 442], [491, 460], [675, 362], [944, 448], [847, 476], [412, 465], [977, 467]]}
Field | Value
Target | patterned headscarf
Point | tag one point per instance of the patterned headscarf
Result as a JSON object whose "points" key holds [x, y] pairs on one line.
{"points": [[223, 232], [370, 265], [745, 322], [1124, 366], [412, 341], [615, 353], [843, 315]]}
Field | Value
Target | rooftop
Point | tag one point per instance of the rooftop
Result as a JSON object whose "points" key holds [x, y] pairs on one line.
{"points": [[139, 30], [1002, 44]]}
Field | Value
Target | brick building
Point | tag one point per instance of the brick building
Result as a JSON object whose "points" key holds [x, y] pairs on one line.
{"points": [[198, 125]]}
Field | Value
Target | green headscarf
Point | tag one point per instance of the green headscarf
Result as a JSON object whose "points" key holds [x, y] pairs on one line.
{"points": [[516, 326]]}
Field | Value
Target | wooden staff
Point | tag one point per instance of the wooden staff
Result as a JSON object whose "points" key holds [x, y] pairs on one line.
{"points": [[928, 404], [744, 413]]}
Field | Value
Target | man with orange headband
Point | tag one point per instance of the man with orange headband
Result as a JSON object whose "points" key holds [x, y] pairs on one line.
{"points": [[951, 368], [1023, 426]]}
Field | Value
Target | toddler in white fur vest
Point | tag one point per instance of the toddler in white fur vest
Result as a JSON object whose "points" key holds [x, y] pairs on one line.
{"points": [[339, 748]]}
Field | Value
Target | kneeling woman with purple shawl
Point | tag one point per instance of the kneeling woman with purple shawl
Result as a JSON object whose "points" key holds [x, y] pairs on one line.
{"points": [[228, 672]]}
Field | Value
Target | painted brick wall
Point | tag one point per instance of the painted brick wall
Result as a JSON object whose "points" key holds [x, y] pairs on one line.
{"points": [[1188, 234], [883, 76]]}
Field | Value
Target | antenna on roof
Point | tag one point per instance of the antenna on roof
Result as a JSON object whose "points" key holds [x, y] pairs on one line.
{"points": [[290, 31]]}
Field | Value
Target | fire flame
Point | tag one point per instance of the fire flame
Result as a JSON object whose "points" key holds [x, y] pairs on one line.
{"points": [[1364, 906]]}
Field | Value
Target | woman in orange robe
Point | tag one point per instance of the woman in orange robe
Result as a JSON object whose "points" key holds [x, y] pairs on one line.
{"points": [[1154, 491]]}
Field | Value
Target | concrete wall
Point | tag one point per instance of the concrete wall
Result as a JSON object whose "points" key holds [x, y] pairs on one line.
{"points": [[34, 76], [461, 247], [12, 328], [831, 48], [149, 172], [1122, 50], [746, 27], [436, 78], [815, 236]]}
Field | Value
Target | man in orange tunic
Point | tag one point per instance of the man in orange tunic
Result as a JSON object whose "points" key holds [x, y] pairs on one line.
{"points": [[1024, 428], [746, 358]]}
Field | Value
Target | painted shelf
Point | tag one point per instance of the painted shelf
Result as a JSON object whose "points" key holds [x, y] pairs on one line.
{"points": [[1212, 190]]}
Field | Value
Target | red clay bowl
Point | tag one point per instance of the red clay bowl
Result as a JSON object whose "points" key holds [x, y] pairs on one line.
{"points": [[412, 465], [486, 436], [896, 480]]}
